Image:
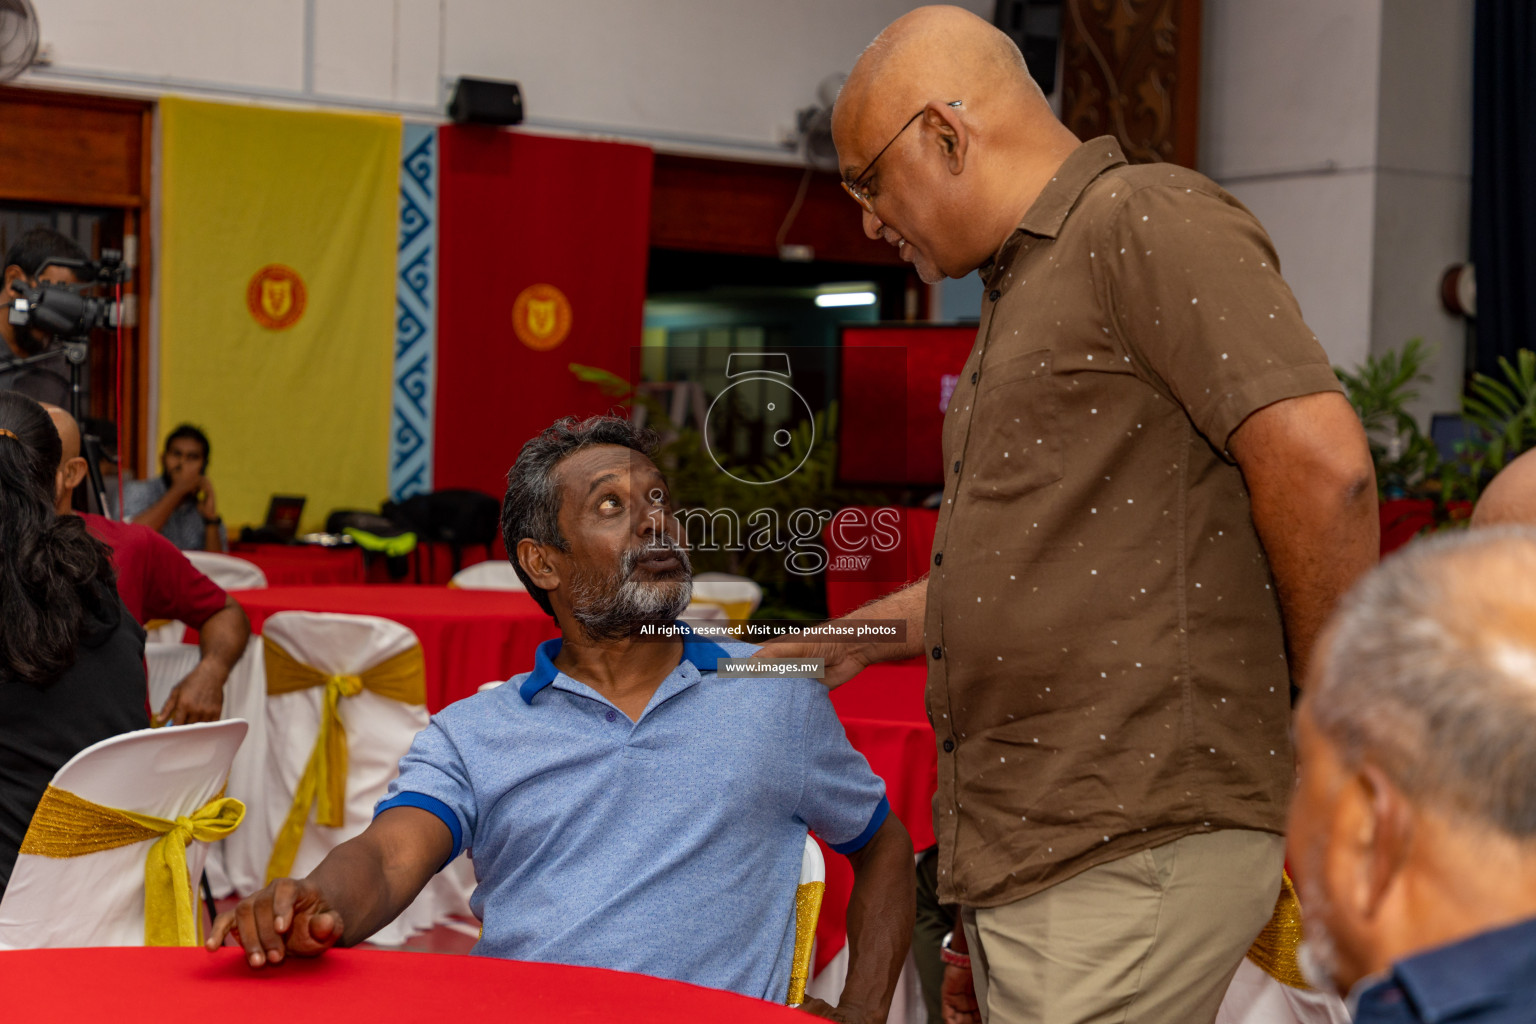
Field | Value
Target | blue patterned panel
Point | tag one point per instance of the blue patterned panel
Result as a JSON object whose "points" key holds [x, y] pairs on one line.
{"points": [[410, 436]]}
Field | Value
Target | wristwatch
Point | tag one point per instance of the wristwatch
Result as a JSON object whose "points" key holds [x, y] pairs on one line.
{"points": [[215, 521], [950, 957]]}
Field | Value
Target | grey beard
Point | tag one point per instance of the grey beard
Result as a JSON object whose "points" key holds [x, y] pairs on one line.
{"points": [[1318, 955], [616, 607]]}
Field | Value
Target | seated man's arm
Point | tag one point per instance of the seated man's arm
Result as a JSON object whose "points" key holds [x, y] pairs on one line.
{"points": [[880, 915], [200, 696], [361, 886]]}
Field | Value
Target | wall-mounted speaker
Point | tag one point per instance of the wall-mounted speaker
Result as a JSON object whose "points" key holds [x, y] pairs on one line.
{"points": [[486, 101]]}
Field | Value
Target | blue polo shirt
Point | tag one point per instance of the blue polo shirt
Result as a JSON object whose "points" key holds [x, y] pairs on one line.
{"points": [[1488, 979], [670, 846]]}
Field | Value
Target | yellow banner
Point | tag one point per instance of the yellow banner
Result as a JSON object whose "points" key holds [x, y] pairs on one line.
{"points": [[277, 300]]}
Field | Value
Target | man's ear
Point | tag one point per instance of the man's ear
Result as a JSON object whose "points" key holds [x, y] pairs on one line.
{"points": [[1384, 836], [950, 134], [536, 563], [12, 273], [73, 471]]}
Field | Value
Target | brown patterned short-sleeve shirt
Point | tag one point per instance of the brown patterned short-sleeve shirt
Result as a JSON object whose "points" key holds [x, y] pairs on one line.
{"points": [[1107, 659]]}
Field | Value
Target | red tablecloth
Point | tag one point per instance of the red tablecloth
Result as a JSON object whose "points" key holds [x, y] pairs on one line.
{"points": [[300, 565], [469, 637], [152, 986], [882, 712]]}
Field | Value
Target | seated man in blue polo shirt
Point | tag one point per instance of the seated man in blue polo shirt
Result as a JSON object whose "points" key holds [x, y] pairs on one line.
{"points": [[625, 806]]}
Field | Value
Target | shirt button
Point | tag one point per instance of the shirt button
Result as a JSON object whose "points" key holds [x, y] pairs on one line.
{"points": [[957, 465], [938, 559], [938, 652], [995, 295], [975, 377], [610, 716], [949, 745]]}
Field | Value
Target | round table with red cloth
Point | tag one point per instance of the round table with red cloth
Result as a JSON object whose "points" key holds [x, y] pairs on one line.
{"points": [[298, 565], [130, 985], [468, 637]]}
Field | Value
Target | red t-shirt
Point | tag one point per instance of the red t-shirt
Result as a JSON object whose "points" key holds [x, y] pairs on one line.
{"points": [[154, 579]]}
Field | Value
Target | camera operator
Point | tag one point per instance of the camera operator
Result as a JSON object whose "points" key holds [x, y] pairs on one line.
{"points": [[180, 502], [46, 380]]}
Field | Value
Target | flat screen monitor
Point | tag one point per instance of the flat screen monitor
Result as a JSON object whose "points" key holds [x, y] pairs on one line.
{"points": [[283, 515], [895, 385]]}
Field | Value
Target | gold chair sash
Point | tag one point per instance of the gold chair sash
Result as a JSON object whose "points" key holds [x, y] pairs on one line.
{"points": [[66, 825], [1274, 950], [807, 911], [323, 785]]}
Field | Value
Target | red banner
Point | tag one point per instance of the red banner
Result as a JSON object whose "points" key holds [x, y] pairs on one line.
{"points": [[542, 261]]}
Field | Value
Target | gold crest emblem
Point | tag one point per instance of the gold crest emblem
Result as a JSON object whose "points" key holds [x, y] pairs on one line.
{"points": [[541, 316], [276, 297]]}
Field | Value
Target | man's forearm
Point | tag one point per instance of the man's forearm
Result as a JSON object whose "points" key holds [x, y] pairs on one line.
{"points": [[371, 878], [223, 635], [881, 910], [212, 539], [155, 516], [910, 605]]}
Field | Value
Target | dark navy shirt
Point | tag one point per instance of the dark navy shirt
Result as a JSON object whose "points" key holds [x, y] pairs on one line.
{"points": [[1487, 979]]}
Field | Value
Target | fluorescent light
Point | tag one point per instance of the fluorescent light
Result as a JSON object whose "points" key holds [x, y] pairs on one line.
{"points": [[847, 299]]}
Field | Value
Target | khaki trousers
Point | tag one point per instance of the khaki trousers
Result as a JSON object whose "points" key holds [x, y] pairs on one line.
{"points": [[1152, 938]]}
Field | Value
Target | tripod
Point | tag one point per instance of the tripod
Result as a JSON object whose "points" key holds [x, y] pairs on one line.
{"points": [[76, 352]]}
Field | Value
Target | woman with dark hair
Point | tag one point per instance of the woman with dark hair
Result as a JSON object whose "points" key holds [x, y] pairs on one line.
{"points": [[71, 657]]}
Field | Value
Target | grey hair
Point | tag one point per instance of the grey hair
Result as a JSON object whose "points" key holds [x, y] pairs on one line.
{"points": [[1431, 676], [531, 507]]}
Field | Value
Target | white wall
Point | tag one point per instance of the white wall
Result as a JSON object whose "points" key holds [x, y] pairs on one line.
{"points": [[720, 76], [1344, 126]]}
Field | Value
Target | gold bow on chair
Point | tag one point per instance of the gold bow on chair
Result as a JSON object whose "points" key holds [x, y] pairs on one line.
{"points": [[65, 825], [1275, 949], [323, 785], [807, 911]]}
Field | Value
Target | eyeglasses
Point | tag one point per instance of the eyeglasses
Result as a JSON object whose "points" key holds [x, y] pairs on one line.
{"points": [[855, 188]]}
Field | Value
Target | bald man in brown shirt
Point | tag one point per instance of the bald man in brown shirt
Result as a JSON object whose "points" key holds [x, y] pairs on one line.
{"points": [[1155, 488]]}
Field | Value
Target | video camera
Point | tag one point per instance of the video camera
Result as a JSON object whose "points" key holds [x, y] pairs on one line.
{"points": [[61, 309]]}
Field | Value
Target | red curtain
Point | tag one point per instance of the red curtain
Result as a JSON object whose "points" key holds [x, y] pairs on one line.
{"points": [[542, 261]]}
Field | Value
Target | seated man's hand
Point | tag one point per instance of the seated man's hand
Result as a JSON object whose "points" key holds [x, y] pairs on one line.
{"points": [[290, 916], [957, 996], [207, 502], [818, 1008], [197, 698], [185, 479]]}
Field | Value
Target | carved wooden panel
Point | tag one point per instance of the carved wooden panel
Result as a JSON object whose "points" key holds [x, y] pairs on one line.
{"points": [[1131, 69]]}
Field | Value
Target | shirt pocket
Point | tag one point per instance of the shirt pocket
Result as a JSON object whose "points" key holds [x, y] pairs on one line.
{"points": [[1014, 446]]}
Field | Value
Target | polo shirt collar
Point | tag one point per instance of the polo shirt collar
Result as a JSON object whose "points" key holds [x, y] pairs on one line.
{"points": [[702, 654], [1048, 212], [1485, 970]]}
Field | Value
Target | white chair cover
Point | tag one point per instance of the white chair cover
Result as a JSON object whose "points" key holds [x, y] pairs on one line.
{"points": [[227, 571], [379, 732], [1254, 997], [98, 899], [493, 574], [168, 665], [239, 863]]}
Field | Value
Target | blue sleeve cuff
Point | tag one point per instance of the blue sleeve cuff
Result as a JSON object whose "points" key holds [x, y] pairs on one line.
{"points": [[435, 806], [882, 811]]}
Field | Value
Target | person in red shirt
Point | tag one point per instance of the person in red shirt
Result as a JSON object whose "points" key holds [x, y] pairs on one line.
{"points": [[156, 581]]}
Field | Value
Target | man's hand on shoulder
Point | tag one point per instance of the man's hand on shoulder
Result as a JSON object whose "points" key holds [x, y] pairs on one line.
{"points": [[842, 661], [290, 916]]}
